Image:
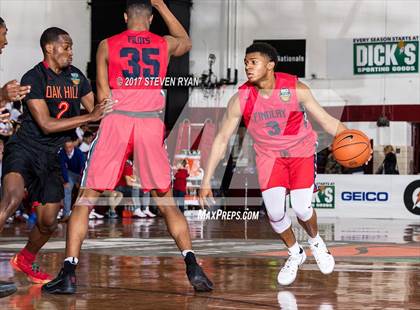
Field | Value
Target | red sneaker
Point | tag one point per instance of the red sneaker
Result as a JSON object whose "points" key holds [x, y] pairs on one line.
{"points": [[31, 270]]}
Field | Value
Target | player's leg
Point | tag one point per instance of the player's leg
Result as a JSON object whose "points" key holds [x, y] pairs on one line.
{"points": [[303, 178], [13, 190], [152, 164], [175, 221], [79, 222], [45, 226], [12, 195], [77, 227], [103, 170], [274, 200], [47, 188], [178, 229]]}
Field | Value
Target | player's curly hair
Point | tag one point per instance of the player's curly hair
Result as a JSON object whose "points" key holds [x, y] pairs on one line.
{"points": [[265, 49], [1, 21]]}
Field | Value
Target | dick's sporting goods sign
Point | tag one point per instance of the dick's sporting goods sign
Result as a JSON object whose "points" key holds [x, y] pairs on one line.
{"points": [[386, 55], [324, 198]]}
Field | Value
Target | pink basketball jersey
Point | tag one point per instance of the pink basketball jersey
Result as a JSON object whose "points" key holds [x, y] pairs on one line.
{"points": [[137, 65], [278, 125]]}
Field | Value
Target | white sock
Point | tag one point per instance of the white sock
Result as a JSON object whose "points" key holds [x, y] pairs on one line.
{"points": [[72, 260], [316, 239], [185, 252], [294, 249]]}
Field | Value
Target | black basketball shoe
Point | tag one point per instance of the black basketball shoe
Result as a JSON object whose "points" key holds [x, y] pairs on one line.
{"points": [[65, 283], [196, 275], [7, 288]]}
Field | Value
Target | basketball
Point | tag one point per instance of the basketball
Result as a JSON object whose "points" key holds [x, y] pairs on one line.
{"points": [[351, 148]]}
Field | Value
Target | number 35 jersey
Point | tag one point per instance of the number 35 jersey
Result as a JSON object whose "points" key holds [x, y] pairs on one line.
{"points": [[137, 64], [62, 93], [278, 125]]}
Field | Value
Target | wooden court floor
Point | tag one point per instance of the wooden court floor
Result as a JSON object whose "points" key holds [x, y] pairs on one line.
{"points": [[133, 264]]}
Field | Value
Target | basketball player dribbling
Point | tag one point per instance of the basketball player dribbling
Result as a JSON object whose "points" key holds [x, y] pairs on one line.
{"points": [[126, 65], [273, 106]]}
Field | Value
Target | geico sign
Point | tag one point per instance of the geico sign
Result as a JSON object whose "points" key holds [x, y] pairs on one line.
{"points": [[364, 196]]}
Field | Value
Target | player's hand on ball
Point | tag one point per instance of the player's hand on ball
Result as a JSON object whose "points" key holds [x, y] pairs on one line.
{"points": [[206, 197]]}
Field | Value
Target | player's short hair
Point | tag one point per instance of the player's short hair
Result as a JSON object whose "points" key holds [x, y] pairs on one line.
{"points": [[51, 35], [2, 23], [139, 7], [265, 49]]}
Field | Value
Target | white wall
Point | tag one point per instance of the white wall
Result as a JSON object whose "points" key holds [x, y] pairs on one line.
{"points": [[322, 23], [26, 20]]}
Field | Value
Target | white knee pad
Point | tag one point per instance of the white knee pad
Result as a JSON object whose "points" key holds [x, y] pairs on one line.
{"points": [[274, 199], [301, 200]]}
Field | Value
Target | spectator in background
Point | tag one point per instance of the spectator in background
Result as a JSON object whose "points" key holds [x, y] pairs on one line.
{"points": [[15, 110], [130, 187], [389, 165], [114, 199], [87, 141], [180, 184], [72, 162], [80, 131]]}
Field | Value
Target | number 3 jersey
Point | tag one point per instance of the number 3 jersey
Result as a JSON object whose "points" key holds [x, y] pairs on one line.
{"points": [[62, 93], [137, 64], [278, 124]]}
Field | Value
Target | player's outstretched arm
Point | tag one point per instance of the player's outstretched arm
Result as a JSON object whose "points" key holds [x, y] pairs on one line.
{"points": [[179, 42], [230, 123], [330, 124], [48, 124]]}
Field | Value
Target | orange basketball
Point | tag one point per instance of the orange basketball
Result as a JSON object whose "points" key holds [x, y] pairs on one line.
{"points": [[351, 148]]}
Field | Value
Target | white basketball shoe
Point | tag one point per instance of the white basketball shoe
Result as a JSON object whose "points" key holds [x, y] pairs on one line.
{"points": [[288, 273], [323, 257]]}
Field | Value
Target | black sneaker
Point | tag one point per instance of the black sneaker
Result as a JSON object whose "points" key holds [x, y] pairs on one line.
{"points": [[7, 288], [65, 283], [196, 275]]}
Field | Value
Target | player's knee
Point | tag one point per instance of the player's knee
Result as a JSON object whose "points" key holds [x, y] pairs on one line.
{"points": [[304, 214], [47, 226], [166, 210], [281, 225], [13, 201], [274, 202], [301, 200]]}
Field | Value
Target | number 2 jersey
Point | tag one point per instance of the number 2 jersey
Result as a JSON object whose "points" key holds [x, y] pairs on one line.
{"points": [[278, 124], [137, 65], [62, 93]]}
